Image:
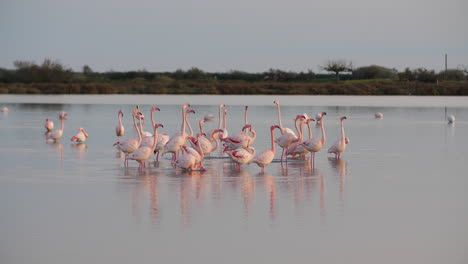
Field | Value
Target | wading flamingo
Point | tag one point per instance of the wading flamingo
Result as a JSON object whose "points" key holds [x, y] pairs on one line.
{"points": [[315, 144], [283, 130], [187, 161], [130, 145], [205, 143], [340, 145], [241, 140], [119, 129], [297, 149], [267, 156], [81, 135], [149, 140], [49, 125], [144, 152], [242, 155], [286, 139], [208, 135], [378, 115], [57, 134], [451, 119], [176, 141]]}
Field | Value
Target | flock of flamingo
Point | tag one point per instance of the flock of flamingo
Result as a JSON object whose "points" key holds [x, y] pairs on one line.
{"points": [[189, 150]]}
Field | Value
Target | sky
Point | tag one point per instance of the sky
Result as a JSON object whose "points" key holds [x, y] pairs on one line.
{"points": [[245, 35]]}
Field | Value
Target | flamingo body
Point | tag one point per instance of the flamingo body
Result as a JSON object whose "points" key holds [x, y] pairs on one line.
{"points": [[81, 135]]}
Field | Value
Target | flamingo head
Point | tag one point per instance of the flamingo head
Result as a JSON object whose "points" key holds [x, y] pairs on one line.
{"points": [[116, 143], [63, 115], [158, 125], [190, 111], [217, 131], [222, 105], [343, 118], [276, 102], [201, 135], [309, 120], [121, 112], [324, 113], [155, 109], [299, 117], [140, 115], [247, 126], [273, 127], [185, 106]]}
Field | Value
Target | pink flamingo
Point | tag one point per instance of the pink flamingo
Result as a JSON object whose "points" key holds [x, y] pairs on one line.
{"points": [[188, 161], [144, 152], [49, 125], [340, 145], [267, 156], [241, 140], [225, 132], [57, 134], [283, 130], [205, 143], [120, 129], [296, 149], [242, 155], [130, 145], [287, 139], [208, 135], [149, 140], [81, 135], [315, 144], [177, 140]]}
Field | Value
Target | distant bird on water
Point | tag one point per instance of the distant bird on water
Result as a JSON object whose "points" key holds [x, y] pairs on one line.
{"points": [[378, 115], [451, 119]]}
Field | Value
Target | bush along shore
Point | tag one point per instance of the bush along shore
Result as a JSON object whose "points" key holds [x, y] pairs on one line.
{"points": [[51, 77]]}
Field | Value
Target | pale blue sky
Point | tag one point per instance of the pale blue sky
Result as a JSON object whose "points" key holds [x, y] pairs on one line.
{"points": [[248, 35]]}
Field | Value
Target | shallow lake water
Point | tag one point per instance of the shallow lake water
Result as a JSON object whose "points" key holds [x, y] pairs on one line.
{"points": [[397, 195]]}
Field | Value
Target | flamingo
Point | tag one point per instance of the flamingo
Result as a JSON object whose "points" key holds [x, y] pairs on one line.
{"points": [[119, 129], [283, 130], [196, 150], [297, 148], [451, 119], [57, 134], [187, 122], [178, 139], [81, 135], [144, 152], [188, 161], [149, 140], [130, 145], [241, 140], [378, 115], [318, 118], [287, 139], [5, 109], [242, 155], [225, 132], [315, 144], [49, 125], [205, 143], [208, 135], [340, 145], [267, 156]]}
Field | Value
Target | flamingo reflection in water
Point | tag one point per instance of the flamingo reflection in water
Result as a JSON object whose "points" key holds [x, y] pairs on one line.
{"points": [[340, 167]]}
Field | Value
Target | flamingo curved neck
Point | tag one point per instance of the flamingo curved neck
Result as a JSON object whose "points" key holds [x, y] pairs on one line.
{"points": [[224, 120], [272, 140], [324, 138], [219, 116], [62, 123], [246, 121], [310, 130], [136, 128], [279, 118], [200, 124], [188, 124], [182, 129], [342, 131], [120, 119], [152, 117]]}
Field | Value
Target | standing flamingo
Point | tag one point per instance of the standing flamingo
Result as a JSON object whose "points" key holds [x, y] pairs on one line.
{"points": [[57, 134], [130, 145], [149, 140], [49, 125], [340, 145], [287, 138], [144, 152], [187, 161], [283, 130], [208, 135], [119, 129], [242, 155], [241, 140], [267, 156], [81, 135], [178, 139], [297, 149], [315, 144], [205, 143]]}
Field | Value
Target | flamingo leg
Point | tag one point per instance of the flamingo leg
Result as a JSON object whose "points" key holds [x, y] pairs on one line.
{"points": [[157, 156]]}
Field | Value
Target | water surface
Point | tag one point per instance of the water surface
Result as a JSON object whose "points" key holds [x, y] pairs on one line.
{"points": [[396, 196]]}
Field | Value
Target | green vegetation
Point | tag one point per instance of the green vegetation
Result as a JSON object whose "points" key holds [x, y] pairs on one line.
{"points": [[51, 77]]}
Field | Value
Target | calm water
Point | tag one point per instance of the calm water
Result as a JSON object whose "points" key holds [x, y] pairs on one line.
{"points": [[398, 195]]}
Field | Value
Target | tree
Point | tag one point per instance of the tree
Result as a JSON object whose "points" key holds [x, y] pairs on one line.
{"points": [[87, 70], [374, 72], [338, 66]]}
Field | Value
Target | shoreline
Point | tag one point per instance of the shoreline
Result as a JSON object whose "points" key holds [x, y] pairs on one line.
{"points": [[319, 100]]}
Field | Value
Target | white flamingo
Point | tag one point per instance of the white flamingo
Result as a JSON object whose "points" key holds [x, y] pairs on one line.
{"points": [[315, 144], [318, 118], [49, 125], [57, 134], [378, 115], [120, 129], [208, 135], [267, 156], [283, 130], [225, 132], [187, 161], [178, 139], [242, 155], [241, 140], [286, 139], [451, 119], [149, 140], [81, 135], [205, 143], [144, 152], [130, 145], [340, 145], [296, 149]]}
